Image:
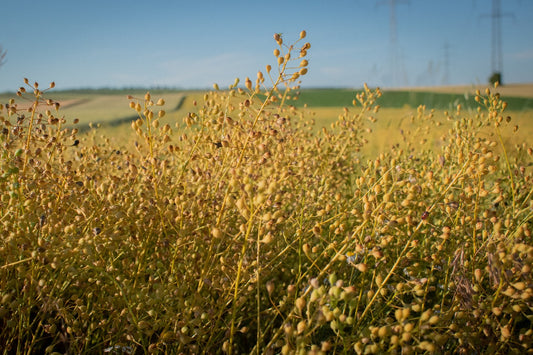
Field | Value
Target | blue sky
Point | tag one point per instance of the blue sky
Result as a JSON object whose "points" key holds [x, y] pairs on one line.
{"points": [[192, 44]]}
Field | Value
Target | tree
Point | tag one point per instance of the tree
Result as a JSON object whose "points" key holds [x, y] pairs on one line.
{"points": [[496, 78]]}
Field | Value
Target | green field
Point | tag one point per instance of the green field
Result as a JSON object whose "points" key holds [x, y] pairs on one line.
{"points": [[328, 97]]}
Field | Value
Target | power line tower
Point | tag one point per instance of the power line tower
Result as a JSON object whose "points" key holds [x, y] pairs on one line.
{"points": [[446, 76], [2, 56], [497, 52], [497, 61], [393, 38]]}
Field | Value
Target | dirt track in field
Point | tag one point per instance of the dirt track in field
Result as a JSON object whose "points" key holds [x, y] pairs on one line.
{"points": [[63, 103]]}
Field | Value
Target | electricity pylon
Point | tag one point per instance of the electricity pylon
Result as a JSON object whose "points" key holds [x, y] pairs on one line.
{"points": [[393, 38], [497, 51], [446, 77]]}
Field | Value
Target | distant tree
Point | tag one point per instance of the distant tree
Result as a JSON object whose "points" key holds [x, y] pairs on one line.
{"points": [[496, 78]]}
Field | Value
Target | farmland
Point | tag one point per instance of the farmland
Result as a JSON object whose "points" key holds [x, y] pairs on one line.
{"points": [[239, 220], [110, 109]]}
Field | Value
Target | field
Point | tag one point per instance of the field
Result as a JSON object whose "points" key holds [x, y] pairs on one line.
{"points": [[239, 220], [101, 106], [110, 109]]}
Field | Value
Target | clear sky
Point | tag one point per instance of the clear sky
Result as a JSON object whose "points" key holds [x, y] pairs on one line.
{"points": [[192, 44]]}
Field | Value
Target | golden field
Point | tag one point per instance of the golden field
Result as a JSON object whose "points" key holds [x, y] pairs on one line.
{"points": [[241, 224]]}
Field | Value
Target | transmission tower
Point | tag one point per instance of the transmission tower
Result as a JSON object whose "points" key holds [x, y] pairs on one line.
{"points": [[446, 77], [497, 52], [497, 62], [393, 38]]}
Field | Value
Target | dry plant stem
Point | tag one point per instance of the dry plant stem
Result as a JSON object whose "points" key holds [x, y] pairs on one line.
{"points": [[239, 272], [28, 140], [15, 263], [259, 113], [408, 242], [300, 248], [150, 140], [285, 92], [191, 154], [322, 273], [30, 128], [238, 163], [258, 295], [476, 204], [508, 164]]}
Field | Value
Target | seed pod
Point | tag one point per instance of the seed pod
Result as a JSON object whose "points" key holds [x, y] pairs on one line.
{"points": [[362, 267], [478, 275], [215, 232], [303, 34], [384, 331], [270, 287], [506, 333], [302, 325], [520, 285], [267, 239], [300, 303]]}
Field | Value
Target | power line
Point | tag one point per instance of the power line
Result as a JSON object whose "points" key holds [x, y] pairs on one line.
{"points": [[393, 38]]}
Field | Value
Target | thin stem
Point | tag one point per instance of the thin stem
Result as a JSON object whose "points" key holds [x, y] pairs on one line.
{"points": [[508, 167], [408, 243], [238, 279], [30, 127]]}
